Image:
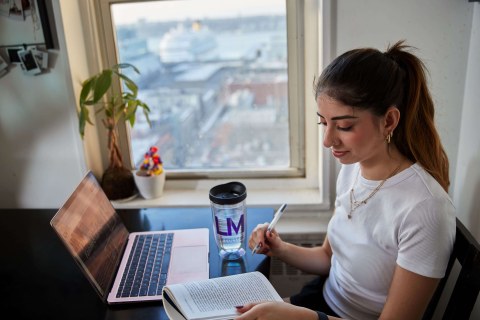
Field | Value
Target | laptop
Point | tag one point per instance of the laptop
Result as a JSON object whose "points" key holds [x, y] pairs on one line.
{"points": [[114, 260]]}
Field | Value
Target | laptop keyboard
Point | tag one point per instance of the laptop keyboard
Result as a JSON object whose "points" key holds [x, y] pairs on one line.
{"points": [[147, 266]]}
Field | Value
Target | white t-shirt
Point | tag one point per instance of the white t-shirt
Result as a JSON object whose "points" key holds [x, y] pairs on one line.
{"points": [[410, 221]]}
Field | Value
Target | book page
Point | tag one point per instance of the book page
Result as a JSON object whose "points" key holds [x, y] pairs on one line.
{"points": [[216, 298]]}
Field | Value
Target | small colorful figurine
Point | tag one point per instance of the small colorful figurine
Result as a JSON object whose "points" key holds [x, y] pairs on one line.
{"points": [[152, 163]]}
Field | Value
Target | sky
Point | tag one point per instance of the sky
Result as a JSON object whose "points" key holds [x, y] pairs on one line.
{"points": [[127, 13]]}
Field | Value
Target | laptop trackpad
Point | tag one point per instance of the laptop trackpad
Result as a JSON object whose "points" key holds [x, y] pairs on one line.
{"points": [[193, 259]]}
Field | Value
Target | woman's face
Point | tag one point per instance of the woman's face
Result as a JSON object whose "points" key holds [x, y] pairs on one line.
{"points": [[353, 135]]}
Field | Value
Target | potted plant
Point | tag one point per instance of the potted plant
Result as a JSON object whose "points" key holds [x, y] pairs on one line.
{"points": [[117, 180], [150, 177]]}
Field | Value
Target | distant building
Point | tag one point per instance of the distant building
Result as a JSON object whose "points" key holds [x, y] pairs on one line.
{"points": [[186, 45]]}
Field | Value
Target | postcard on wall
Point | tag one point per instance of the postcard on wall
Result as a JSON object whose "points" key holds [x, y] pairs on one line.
{"points": [[15, 9]]}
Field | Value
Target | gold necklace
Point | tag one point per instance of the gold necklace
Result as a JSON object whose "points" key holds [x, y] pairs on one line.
{"points": [[354, 203]]}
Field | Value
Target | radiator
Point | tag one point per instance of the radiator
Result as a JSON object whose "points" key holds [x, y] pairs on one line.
{"points": [[286, 279]]}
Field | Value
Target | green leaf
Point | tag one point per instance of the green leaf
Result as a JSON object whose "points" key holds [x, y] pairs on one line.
{"points": [[136, 70], [124, 66], [86, 89], [87, 115], [128, 97], [145, 113], [83, 118], [102, 85], [144, 106], [130, 111], [132, 119], [129, 83], [81, 127], [89, 103], [133, 87]]}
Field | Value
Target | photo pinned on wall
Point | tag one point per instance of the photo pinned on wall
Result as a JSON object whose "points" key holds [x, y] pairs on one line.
{"points": [[29, 64], [15, 9], [13, 54], [41, 57]]}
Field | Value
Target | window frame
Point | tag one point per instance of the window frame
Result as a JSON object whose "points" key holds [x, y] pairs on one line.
{"points": [[308, 186]]}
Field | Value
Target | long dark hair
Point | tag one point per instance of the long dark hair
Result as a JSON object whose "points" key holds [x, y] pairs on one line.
{"points": [[369, 79]]}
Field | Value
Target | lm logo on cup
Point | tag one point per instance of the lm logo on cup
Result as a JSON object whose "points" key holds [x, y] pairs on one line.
{"points": [[229, 228]]}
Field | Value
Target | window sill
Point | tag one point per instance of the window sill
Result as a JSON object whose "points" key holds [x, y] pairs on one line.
{"points": [[305, 199], [306, 212]]}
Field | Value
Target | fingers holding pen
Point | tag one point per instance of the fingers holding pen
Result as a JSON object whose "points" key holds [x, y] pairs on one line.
{"points": [[262, 239], [257, 237], [267, 239]]}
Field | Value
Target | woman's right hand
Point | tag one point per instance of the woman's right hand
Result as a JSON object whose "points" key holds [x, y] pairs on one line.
{"points": [[269, 241]]}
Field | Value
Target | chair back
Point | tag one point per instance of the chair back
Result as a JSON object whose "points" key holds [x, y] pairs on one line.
{"points": [[460, 304]]}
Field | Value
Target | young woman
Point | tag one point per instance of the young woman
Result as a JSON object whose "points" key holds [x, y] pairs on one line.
{"points": [[393, 229]]}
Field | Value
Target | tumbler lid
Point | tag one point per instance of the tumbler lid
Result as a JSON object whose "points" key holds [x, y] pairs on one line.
{"points": [[228, 193]]}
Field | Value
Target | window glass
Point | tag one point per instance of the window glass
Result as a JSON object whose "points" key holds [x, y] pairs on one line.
{"points": [[214, 74]]}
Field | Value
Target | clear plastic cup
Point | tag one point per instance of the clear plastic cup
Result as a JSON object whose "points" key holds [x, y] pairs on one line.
{"points": [[229, 218]]}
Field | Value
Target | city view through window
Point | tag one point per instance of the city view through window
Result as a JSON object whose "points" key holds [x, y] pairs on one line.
{"points": [[216, 83]]}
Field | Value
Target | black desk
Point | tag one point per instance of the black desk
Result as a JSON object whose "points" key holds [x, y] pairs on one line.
{"points": [[35, 258]]}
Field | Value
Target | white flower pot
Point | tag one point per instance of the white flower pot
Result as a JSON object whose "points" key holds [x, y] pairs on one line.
{"points": [[150, 187]]}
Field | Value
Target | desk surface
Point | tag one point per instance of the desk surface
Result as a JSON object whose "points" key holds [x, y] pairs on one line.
{"points": [[35, 258]]}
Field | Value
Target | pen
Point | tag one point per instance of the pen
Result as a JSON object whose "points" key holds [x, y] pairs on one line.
{"points": [[272, 224]]}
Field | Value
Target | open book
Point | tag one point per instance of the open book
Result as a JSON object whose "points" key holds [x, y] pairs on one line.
{"points": [[216, 298]]}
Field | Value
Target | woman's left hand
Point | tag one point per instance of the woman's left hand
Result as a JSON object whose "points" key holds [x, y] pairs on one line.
{"points": [[274, 311]]}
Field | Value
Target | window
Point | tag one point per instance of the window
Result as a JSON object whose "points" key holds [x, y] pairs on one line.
{"points": [[215, 76], [229, 85]]}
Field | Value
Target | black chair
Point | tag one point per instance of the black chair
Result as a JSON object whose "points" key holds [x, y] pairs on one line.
{"points": [[467, 286]]}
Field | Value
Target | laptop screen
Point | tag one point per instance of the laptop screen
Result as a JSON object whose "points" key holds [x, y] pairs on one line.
{"points": [[93, 233]]}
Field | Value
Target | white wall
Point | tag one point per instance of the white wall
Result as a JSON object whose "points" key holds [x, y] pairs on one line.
{"points": [[467, 183], [41, 157]]}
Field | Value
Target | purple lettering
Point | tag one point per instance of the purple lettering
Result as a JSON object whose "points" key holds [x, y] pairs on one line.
{"points": [[230, 225], [220, 232], [240, 225]]}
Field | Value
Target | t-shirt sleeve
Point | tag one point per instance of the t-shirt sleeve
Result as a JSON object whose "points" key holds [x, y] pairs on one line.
{"points": [[426, 238]]}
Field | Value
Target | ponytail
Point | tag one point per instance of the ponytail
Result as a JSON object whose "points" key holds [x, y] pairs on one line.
{"points": [[416, 136]]}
